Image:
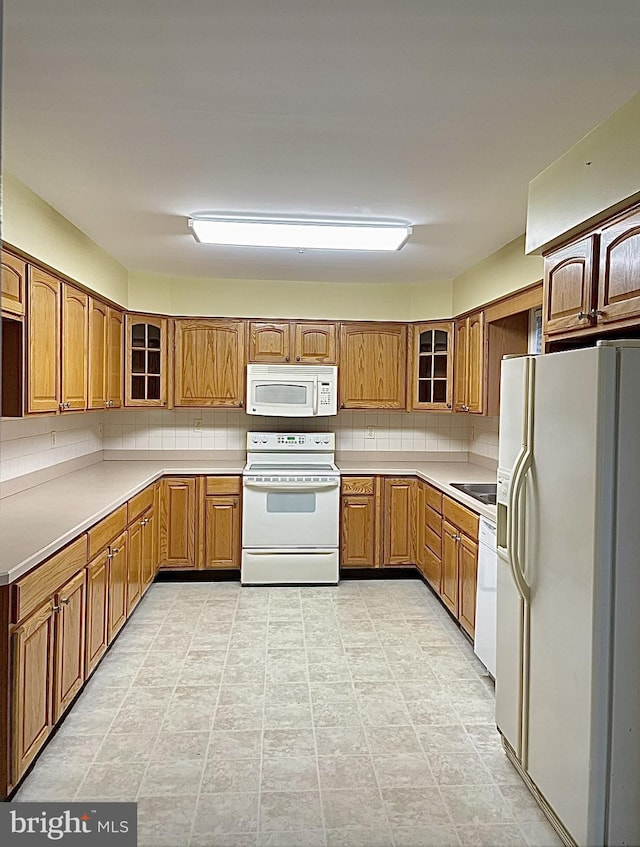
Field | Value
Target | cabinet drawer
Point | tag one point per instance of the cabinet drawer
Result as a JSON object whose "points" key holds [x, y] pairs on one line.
{"points": [[104, 532], [462, 518], [140, 503], [358, 485], [32, 590], [433, 540], [433, 520], [223, 485], [433, 498]]}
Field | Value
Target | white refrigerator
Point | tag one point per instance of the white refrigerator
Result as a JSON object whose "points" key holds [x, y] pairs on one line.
{"points": [[568, 616]]}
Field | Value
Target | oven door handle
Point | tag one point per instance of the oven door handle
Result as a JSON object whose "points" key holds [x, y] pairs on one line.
{"points": [[292, 486]]}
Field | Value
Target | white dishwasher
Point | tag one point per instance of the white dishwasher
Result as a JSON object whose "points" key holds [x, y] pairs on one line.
{"points": [[484, 644]]}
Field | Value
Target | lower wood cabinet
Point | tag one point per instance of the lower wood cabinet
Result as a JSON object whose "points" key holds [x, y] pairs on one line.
{"points": [[449, 583], [429, 534], [359, 522], [399, 521], [118, 577], [135, 558], [222, 532], [459, 563], [467, 571], [32, 687], [149, 546], [178, 509], [69, 673], [97, 622]]}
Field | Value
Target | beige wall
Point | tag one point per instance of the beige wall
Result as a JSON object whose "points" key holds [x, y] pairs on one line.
{"points": [[570, 192], [272, 299], [37, 228], [506, 270]]}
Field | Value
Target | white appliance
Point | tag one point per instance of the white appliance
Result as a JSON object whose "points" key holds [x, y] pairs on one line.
{"points": [[291, 503], [568, 651], [288, 391], [484, 643]]}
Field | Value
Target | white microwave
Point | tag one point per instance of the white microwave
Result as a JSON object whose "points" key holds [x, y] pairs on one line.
{"points": [[292, 391]]}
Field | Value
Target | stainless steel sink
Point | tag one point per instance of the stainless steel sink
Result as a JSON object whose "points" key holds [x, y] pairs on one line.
{"points": [[485, 492]]}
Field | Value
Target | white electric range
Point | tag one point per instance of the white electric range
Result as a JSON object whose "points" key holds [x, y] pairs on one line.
{"points": [[291, 505]]}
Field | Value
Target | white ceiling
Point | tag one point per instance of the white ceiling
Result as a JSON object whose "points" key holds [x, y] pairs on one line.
{"points": [[128, 115]]}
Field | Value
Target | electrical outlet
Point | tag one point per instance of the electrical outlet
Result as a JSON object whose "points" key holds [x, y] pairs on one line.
{"points": [[371, 432], [54, 439], [197, 424], [100, 430]]}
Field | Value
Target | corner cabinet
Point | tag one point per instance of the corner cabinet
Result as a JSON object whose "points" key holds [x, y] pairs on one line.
{"points": [[432, 387], [373, 366], [146, 361], [209, 363]]}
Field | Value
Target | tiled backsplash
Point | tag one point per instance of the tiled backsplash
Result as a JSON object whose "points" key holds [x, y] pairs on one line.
{"points": [[26, 445]]}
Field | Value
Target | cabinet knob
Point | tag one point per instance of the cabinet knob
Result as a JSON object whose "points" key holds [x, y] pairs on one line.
{"points": [[448, 405], [56, 608], [297, 358], [65, 600], [342, 405], [286, 358], [595, 314], [583, 316], [240, 404]]}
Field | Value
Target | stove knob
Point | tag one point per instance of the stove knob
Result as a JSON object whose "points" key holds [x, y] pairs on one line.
{"points": [[317, 439], [326, 439], [264, 439], [255, 439]]}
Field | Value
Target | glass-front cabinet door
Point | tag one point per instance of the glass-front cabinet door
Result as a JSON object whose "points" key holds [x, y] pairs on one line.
{"points": [[432, 366], [146, 361]]}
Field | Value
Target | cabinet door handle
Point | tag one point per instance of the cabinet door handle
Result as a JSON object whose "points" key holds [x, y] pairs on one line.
{"points": [[584, 316], [56, 609], [65, 600], [595, 314]]}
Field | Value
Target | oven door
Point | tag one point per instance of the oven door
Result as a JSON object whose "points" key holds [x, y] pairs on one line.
{"points": [[290, 514], [291, 398]]}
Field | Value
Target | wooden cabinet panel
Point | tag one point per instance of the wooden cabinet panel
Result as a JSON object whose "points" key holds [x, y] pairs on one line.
{"points": [[475, 364], [178, 522], [269, 342], [98, 326], [139, 503], [357, 536], [118, 578], [449, 583], [32, 687], [33, 589], [222, 532], [358, 485], [75, 326], [429, 544], [105, 531], [14, 280], [97, 633], [43, 342], [315, 343], [399, 521], [373, 366], [461, 517], [460, 366], [432, 366], [149, 546], [209, 363], [114, 359], [70, 643], [432, 569], [467, 568], [569, 287], [135, 558], [433, 498], [223, 485], [619, 274], [146, 361]]}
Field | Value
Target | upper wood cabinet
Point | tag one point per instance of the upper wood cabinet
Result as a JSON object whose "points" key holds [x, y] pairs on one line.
{"points": [[469, 364], [75, 310], [43, 342], [146, 361], [298, 342], [209, 363], [619, 271], [432, 366], [98, 328], [13, 286], [114, 359], [569, 282], [373, 366]]}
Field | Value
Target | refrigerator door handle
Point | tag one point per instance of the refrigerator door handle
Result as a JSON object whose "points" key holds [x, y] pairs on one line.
{"points": [[517, 568]]}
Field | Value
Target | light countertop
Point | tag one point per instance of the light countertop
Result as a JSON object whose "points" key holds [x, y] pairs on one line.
{"points": [[36, 523]]}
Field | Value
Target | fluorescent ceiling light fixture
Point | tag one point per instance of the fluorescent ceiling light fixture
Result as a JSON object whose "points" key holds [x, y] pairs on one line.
{"points": [[300, 233]]}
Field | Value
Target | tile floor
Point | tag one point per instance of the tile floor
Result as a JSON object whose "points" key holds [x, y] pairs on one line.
{"points": [[348, 716]]}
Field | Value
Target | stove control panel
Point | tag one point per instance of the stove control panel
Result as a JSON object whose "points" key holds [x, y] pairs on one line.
{"points": [[289, 441]]}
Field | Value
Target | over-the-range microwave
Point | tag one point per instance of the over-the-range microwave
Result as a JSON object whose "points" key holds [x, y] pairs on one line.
{"points": [[292, 391]]}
